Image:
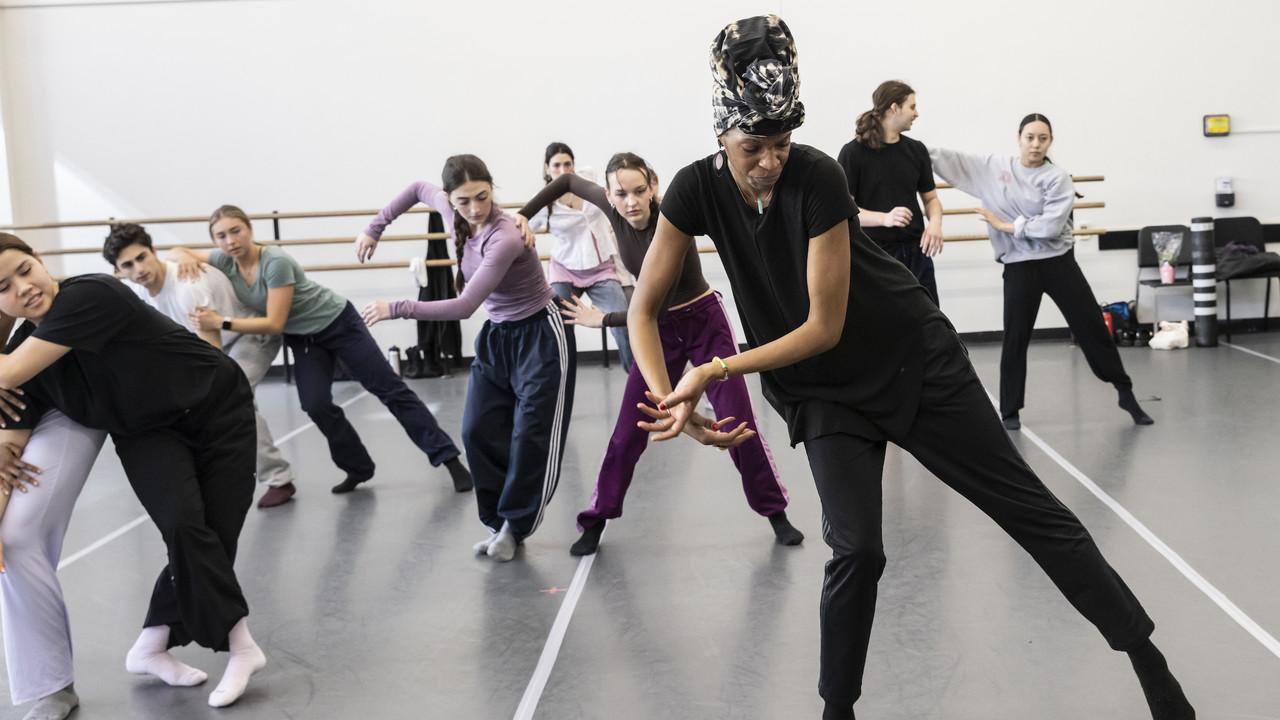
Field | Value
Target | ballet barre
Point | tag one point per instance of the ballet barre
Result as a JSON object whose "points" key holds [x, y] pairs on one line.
{"points": [[276, 216]]}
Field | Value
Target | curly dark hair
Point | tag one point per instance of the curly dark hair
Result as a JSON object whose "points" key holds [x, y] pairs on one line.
{"points": [[123, 235]]}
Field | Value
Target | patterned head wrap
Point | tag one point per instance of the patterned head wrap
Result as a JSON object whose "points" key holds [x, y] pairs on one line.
{"points": [[757, 81]]}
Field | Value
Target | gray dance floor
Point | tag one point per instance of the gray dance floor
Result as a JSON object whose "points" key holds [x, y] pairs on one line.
{"points": [[371, 605]]}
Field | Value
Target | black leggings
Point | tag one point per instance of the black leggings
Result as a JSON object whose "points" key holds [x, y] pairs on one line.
{"points": [[956, 436], [1060, 278]]}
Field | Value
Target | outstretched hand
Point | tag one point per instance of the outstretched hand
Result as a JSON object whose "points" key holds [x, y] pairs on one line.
{"points": [[366, 244], [375, 312], [576, 312], [698, 427], [680, 402]]}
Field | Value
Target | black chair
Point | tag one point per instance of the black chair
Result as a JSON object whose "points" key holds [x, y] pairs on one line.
{"points": [[1149, 265], [1244, 231]]}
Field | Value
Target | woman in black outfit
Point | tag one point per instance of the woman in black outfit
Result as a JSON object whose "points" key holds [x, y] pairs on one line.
{"points": [[853, 354], [181, 416]]}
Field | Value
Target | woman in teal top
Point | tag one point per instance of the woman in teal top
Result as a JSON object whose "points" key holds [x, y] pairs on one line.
{"points": [[319, 326]]}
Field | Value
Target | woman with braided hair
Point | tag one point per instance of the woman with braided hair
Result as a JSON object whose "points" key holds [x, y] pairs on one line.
{"points": [[851, 366], [520, 393]]}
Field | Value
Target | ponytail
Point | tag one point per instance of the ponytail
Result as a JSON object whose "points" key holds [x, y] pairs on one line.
{"points": [[868, 129]]}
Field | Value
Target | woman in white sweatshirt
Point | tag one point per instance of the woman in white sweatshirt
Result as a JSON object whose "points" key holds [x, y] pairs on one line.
{"points": [[1027, 205]]}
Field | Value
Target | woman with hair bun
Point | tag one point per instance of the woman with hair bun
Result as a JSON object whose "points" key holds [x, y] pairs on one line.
{"points": [[1027, 206]]}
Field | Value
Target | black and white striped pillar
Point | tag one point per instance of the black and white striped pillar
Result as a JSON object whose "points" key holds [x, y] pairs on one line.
{"points": [[1204, 282]]}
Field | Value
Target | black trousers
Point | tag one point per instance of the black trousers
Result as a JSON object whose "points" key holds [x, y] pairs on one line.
{"points": [[957, 436], [196, 481], [1061, 279], [920, 265], [519, 400], [348, 338]]}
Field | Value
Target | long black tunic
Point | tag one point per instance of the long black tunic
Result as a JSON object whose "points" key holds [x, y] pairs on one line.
{"points": [[869, 383]]}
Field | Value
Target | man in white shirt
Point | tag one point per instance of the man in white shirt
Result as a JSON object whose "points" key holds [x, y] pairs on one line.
{"points": [[129, 250]]}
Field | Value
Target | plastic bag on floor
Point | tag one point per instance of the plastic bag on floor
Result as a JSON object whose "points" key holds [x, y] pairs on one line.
{"points": [[1171, 336]]}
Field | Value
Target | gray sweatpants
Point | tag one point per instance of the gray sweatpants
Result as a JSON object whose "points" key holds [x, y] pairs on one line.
{"points": [[37, 635], [254, 353]]}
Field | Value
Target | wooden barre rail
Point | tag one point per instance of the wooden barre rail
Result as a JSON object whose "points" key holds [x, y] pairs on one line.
{"points": [[974, 210], [445, 236], [312, 215], [1074, 178], [301, 241], [704, 250]]}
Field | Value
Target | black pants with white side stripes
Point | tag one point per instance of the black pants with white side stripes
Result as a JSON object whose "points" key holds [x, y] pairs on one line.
{"points": [[517, 417]]}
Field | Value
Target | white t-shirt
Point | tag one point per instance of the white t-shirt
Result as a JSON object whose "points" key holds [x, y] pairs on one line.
{"points": [[179, 297]]}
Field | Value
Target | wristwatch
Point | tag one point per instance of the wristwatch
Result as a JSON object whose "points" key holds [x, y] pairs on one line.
{"points": [[226, 323]]}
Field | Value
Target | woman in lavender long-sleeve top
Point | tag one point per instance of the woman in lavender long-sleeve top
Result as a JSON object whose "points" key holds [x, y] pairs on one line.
{"points": [[1027, 203], [521, 388]]}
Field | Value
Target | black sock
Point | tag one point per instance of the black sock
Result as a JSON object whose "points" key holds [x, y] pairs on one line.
{"points": [[1164, 694], [347, 485], [783, 531], [834, 711], [1129, 404], [589, 541], [461, 476]]}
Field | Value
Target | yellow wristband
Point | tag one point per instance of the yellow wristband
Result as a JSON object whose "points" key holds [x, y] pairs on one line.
{"points": [[724, 367]]}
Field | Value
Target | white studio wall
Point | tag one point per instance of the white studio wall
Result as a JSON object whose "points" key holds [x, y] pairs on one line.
{"points": [[137, 110]]}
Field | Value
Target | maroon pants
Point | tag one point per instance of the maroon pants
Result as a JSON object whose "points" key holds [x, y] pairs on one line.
{"points": [[692, 334]]}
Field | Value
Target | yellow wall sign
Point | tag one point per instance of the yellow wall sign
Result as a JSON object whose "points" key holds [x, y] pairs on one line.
{"points": [[1217, 125]]}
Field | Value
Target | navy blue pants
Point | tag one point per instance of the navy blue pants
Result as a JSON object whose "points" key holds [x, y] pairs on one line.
{"points": [[920, 265], [348, 338], [517, 417]]}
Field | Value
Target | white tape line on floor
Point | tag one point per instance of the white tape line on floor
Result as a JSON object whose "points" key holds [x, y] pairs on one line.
{"points": [[550, 651], [1217, 596]]}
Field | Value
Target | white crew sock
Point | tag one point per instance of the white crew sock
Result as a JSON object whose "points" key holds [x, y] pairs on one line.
{"points": [[150, 656], [246, 659], [503, 547]]}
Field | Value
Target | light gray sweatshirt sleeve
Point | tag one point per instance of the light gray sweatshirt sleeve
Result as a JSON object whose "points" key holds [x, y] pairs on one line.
{"points": [[1037, 201], [967, 173]]}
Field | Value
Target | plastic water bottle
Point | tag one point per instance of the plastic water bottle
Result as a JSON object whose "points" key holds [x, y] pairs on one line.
{"points": [[393, 357]]}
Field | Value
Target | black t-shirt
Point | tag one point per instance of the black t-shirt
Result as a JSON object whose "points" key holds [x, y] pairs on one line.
{"points": [[890, 177], [130, 369], [869, 383]]}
